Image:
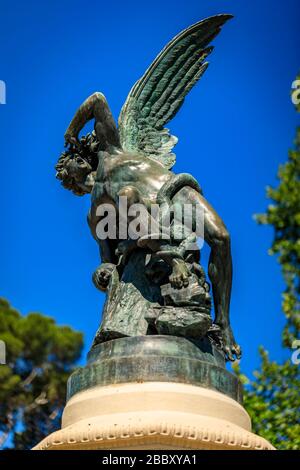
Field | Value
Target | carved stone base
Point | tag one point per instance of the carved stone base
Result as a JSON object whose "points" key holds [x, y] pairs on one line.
{"points": [[154, 392], [153, 415]]}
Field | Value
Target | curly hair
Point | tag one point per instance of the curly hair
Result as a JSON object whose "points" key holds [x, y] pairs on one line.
{"points": [[86, 149]]}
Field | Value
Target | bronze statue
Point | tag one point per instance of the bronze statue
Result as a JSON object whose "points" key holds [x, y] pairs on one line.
{"points": [[154, 284]]}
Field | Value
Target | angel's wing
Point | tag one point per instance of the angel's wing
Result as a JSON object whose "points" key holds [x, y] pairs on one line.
{"points": [[157, 96]]}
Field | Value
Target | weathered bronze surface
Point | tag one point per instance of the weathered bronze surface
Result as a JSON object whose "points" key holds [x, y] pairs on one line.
{"points": [[154, 285], [156, 359]]}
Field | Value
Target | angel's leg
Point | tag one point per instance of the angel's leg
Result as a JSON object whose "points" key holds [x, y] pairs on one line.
{"points": [[220, 264], [94, 107], [220, 274]]}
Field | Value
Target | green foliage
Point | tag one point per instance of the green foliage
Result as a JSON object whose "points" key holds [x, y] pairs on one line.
{"points": [[272, 398], [40, 357], [284, 216]]}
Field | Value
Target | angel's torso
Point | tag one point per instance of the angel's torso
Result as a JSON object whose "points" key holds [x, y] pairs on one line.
{"points": [[119, 170]]}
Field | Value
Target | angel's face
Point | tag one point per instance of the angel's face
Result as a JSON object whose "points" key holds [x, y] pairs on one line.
{"points": [[78, 168], [81, 171]]}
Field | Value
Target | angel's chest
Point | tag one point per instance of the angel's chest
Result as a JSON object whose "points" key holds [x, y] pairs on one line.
{"points": [[118, 171]]}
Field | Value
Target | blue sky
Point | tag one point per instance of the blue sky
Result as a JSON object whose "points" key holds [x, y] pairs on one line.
{"points": [[234, 130]]}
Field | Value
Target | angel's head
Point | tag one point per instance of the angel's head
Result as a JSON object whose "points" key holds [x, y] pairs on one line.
{"points": [[77, 166]]}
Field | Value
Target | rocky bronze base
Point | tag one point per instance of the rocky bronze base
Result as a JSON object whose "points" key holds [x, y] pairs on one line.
{"points": [[154, 392], [156, 358]]}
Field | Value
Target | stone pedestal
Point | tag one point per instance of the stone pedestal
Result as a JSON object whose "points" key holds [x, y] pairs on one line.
{"points": [[154, 392]]}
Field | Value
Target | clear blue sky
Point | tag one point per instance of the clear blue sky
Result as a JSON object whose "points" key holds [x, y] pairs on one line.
{"points": [[234, 130]]}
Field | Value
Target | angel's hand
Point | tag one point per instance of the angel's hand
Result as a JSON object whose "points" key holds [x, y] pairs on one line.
{"points": [[102, 275], [71, 140]]}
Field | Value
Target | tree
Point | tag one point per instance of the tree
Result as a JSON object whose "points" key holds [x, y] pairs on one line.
{"points": [[272, 401], [273, 398], [40, 357]]}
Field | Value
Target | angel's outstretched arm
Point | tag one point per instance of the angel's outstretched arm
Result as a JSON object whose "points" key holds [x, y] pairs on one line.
{"points": [[94, 107]]}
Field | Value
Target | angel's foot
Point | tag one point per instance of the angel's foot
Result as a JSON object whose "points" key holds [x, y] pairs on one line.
{"points": [[231, 349], [180, 274]]}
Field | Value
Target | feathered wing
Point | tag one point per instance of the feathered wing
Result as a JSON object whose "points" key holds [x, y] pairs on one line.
{"points": [[157, 96]]}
